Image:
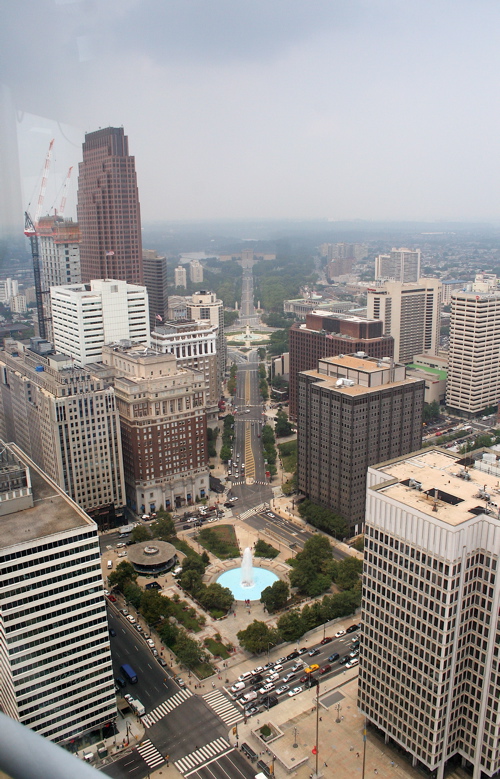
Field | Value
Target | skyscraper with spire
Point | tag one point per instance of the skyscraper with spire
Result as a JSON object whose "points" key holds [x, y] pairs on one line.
{"points": [[108, 209]]}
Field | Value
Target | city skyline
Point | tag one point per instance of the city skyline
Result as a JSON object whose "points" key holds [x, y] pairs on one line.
{"points": [[232, 113]]}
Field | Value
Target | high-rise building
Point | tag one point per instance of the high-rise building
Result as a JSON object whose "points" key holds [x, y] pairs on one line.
{"points": [[399, 265], [66, 420], [325, 335], [155, 280], [429, 664], [180, 279], [196, 272], [108, 209], [206, 307], [194, 345], [55, 661], [474, 352], [59, 242], [86, 316], [353, 411], [9, 288], [164, 429], [411, 313]]}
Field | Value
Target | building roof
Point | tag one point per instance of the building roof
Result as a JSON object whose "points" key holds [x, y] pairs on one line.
{"points": [[53, 511], [444, 488], [151, 553]]}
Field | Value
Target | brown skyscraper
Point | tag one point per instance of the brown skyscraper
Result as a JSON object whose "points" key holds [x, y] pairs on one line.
{"points": [[108, 209]]}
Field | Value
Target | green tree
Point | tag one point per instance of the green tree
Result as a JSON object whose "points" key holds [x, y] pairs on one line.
{"points": [[140, 533], [431, 411], [275, 596], [214, 596], [258, 637], [225, 453], [123, 574], [282, 427], [191, 581], [153, 606], [205, 558], [133, 594], [346, 572], [291, 626], [163, 528], [189, 651], [230, 318], [168, 632]]}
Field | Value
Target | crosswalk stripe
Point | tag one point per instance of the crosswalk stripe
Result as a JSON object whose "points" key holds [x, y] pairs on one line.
{"points": [[150, 754], [164, 708], [228, 713], [201, 755]]}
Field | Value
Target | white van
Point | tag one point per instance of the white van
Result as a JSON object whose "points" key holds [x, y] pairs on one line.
{"points": [[110, 564]]}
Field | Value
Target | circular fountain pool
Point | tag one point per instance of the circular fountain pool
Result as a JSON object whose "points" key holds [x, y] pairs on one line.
{"points": [[261, 578]]}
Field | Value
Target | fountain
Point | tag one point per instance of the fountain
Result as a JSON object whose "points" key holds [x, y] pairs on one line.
{"points": [[247, 568], [247, 581]]}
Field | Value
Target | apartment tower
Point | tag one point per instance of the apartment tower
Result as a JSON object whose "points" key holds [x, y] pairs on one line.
{"points": [[163, 425], [474, 352], [108, 209], [59, 242], [411, 313], [353, 411], [155, 280], [55, 661], [66, 420], [206, 307], [326, 335], [429, 675], [399, 265]]}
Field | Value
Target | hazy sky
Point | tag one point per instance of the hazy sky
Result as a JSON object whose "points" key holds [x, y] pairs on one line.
{"points": [[371, 109]]}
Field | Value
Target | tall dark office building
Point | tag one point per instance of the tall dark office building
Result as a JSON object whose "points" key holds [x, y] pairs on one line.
{"points": [[155, 279], [353, 411], [325, 335], [108, 209]]}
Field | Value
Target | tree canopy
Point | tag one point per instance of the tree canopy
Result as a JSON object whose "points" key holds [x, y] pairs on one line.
{"points": [[275, 596], [258, 637]]}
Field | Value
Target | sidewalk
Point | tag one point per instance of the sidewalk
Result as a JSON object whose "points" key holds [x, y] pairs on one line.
{"points": [[130, 733]]}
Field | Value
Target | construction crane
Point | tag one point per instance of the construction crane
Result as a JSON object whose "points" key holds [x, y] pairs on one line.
{"points": [[30, 231], [64, 193]]}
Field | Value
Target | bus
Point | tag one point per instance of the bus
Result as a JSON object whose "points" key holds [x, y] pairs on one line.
{"points": [[129, 673]]}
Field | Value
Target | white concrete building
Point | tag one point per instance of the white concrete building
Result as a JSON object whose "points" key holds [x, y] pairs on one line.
{"points": [[180, 278], [66, 420], [8, 289], [474, 352], [196, 272], [429, 665], [399, 265], [87, 316], [206, 307], [194, 344], [411, 313], [18, 304], [55, 661]]}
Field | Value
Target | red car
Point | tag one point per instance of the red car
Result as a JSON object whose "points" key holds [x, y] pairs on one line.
{"points": [[111, 598], [325, 669], [326, 640]]}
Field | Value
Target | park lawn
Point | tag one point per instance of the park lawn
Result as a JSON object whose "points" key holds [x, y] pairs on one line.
{"points": [[203, 670], [288, 454], [220, 540], [176, 609], [216, 648]]}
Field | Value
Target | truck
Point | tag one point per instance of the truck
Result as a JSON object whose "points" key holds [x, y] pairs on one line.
{"points": [[128, 672], [126, 530], [138, 707]]}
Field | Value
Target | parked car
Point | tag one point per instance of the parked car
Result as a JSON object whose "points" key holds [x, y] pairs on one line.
{"points": [[257, 670], [297, 666], [111, 598], [282, 689], [333, 657], [292, 655], [289, 675], [352, 662], [131, 619], [325, 669], [257, 678], [162, 662], [313, 652], [344, 660], [150, 643], [278, 667], [303, 650], [266, 688], [352, 628], [273, 677], [245, 676], [294, 691], [326, 640], [237, 687], [180, 681], [251, 710], [340, 633]]}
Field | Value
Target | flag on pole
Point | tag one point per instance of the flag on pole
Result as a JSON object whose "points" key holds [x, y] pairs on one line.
{"points": [[159, 317], [110, 254]]}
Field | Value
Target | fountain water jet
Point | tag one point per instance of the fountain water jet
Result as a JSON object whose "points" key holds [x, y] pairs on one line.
{"points": [[247, 568]]}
